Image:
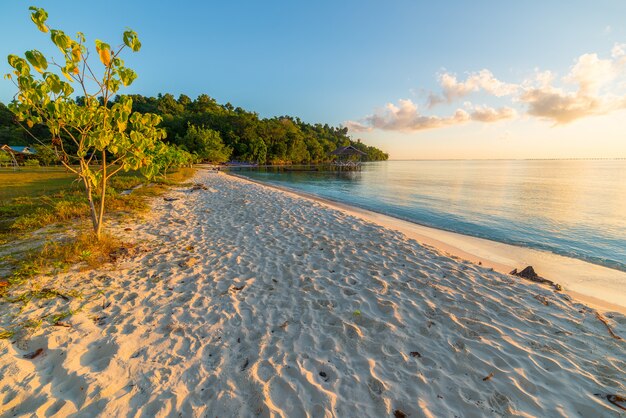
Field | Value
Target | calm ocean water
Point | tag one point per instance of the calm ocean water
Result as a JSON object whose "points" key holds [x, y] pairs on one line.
{"points": [[570, 207]]}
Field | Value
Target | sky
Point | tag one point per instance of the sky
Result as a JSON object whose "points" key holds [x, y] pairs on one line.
{"points": [[420, 80]]}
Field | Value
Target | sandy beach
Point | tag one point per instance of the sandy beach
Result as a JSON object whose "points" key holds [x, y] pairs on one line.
{"points": [[597, 286], [243, 300]]}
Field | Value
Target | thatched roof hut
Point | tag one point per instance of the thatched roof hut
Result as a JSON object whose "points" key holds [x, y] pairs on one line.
{"points": [[348, 151]]}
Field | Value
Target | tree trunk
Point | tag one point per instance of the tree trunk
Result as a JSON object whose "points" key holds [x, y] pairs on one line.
{"points": [[92, 208], [102, 195]]}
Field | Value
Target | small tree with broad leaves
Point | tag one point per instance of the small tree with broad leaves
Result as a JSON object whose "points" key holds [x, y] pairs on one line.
{"points": [[95, 137]]}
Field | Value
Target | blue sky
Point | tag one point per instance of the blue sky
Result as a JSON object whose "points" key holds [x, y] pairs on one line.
{"points": [[342, 62]]}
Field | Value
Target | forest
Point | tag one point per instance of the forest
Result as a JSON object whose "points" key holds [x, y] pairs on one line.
{"points": [[221, 132]]}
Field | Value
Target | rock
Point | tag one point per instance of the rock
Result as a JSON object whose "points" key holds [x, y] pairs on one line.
{"points": [[399, 414], [529, 274], [198, 186]]}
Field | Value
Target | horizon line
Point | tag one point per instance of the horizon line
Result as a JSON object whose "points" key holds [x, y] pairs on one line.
{"points": [[510, 159]]}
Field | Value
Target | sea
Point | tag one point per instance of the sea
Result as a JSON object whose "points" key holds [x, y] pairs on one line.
{"points": [[575, 208]]}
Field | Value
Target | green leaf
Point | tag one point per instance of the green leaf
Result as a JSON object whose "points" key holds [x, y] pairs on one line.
{"points": [[131, 40], [126, 75], [53, 82], [19, 64], [39, 17], [37, 60], [60, 39]]}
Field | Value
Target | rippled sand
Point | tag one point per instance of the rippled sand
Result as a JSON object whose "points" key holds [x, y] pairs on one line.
{"points": [[252, 302]]}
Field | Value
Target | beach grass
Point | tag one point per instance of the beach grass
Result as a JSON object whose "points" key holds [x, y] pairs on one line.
{"points": [[34, 198]]}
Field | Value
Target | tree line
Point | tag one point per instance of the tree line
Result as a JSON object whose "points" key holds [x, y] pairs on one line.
{"points": [[221, 132]]}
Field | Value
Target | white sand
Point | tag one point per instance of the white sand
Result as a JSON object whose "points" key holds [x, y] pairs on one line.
{"points": [[253, 302], [600, 287]]}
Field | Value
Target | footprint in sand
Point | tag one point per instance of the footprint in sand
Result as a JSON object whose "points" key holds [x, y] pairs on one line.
{"points": [[99, 354]]}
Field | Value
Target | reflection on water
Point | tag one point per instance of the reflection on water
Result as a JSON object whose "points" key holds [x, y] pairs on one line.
{"points": [[575, 208]]}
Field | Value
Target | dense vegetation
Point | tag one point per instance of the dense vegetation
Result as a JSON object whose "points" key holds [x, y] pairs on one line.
{"points": [[221, 133]]}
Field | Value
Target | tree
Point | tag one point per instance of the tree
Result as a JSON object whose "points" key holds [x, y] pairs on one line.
{"points": [[96, 128], [258, 151], [45, 154], [5, 159], [206, 143], [167, 157]]}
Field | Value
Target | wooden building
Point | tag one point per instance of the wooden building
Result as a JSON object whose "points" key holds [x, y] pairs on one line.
{"points": [[348, 158]]}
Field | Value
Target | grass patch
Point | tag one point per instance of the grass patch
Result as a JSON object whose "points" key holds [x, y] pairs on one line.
{"points": [[60, 316], [83, 248], [33, 181], [34, 198], [31, 199], [45, 293], [6, 334]]}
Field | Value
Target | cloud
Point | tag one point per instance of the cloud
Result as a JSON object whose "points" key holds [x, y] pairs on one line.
{"points": [[592, 76], [489, 114], [406, 117], [481, 80], [619, 50], [561, 107], [592, 73], [591, 87]]}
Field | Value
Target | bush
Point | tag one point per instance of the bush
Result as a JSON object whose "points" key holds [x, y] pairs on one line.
{"points": [[5, 159], [31, 163]]}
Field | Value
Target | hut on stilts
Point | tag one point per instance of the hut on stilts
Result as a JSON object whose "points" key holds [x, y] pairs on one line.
{"points": [[348, 158]]}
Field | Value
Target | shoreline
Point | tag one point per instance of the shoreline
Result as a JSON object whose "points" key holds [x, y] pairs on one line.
{"points": [[595, 285]]}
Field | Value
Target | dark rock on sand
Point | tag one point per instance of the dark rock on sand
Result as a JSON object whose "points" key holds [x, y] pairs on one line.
{"points": [[529, 274]]}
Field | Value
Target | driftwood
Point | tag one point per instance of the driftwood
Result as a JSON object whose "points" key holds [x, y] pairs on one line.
{"points": [[529, 274], [614, 399], [34, 354], [606, 324]]}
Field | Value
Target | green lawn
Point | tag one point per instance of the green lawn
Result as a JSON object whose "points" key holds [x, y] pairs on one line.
{"points": [[31, 198], [31, 182]]}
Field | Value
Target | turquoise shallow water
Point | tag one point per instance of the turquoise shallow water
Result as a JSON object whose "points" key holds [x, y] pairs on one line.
{"points": [[575, 208]]}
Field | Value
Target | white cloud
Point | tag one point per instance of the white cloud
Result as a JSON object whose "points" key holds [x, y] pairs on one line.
{"points": [[557, 105], [489, 114], [592, 73], [619, 50], [406, 117], [482, 80], [597, 83], [592, 76]]}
